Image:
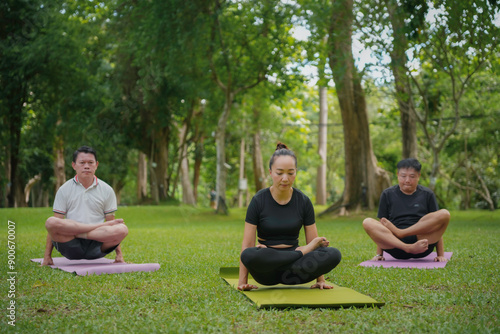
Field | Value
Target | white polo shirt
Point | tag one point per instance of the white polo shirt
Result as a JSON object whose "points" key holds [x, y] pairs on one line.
{"points": [[89, 206]]}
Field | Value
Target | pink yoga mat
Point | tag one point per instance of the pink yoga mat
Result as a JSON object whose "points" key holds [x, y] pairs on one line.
{"points": [[99, 266], [422, 263]]}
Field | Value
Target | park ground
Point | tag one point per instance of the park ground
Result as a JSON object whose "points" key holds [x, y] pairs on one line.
{"points": [[187, 296]]}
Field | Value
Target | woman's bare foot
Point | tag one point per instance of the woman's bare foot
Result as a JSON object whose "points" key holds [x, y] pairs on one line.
{"points": [[390, 226], [314, 244], [419, 247]]}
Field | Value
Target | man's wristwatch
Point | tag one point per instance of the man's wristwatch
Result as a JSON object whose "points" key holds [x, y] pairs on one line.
{"points": [[381, 255]]}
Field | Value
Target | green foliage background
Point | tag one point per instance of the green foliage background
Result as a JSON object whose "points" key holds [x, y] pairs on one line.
{"points": [[111, 74]]}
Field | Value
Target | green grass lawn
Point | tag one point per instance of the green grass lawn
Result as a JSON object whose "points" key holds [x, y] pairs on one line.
{"points": [[187, 296]]}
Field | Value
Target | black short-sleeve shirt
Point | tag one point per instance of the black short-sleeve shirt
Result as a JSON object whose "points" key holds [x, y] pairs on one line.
{"points": [[276, 223], [405, 210]]}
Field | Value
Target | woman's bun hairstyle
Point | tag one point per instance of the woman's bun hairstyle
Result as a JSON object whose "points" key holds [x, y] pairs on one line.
{"points": [[280, 146], [281, 150]]}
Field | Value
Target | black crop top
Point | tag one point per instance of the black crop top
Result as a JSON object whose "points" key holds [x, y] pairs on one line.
{"points": [[280, 224]]}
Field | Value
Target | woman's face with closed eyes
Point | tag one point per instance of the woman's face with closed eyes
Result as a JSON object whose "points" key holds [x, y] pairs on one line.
{"points": [[283, 172]]}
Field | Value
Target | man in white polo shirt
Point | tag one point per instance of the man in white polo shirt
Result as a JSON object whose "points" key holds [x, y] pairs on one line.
{"points": [[84, 224]]}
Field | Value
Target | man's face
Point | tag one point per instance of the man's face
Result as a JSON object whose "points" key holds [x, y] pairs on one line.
{"points": [[408, 180], [85, 165]]}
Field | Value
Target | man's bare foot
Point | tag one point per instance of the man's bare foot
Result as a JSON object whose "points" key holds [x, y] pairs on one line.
{"points": [[390, 226], [113, 222], [419, 247], [106, 223], [314, 244]]}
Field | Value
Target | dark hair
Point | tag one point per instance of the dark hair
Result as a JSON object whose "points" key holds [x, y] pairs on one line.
{"points": [[281, 150], [84, 149], [409, 163]]}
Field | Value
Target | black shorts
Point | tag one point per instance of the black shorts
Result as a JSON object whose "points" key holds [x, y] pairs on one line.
{"points": [[402, 255], [78, 249]]}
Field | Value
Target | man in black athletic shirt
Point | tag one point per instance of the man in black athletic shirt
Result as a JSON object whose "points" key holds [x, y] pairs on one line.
{"points": [[411, 224]]}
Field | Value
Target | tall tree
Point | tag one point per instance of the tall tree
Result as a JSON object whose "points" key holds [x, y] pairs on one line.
{"points": [[22, 58], [160, 66], [364, 180], [249, 40], [321, 180], [390, 27], [259, 173], [446, 70], [48, 82], [414, 13], [142, 177], [317, 54]]}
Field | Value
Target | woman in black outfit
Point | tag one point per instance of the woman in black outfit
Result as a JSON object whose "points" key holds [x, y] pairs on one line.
{"points": [[276, 215]]}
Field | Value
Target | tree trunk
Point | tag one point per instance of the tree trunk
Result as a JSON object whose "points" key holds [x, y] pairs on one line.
{"points": [[402, 82], [198, 159], [434, 169], [259, 173], [159, 166], [118, 187], [153, 184], [19, 199], [187, 189], [467, 175], [364, 181], [162, 170], [242, 180], [28, 187], [142, 177], [322, 147], [59, 163], [15, 121], [40, 196], [220, 142], [5, 188], [183, 163], [198, 152]]}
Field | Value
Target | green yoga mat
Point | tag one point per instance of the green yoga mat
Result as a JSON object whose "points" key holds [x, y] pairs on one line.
{"points": [[284, 296]]}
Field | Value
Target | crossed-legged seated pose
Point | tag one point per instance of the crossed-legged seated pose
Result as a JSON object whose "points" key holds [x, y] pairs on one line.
{"points": [[411, 224], [276, 215], [90, 230]]}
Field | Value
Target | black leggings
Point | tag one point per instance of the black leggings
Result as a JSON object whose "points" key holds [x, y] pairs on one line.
{"points": [[270, 266]]}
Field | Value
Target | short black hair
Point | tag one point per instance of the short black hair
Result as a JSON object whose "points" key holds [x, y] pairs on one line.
{"points": [[409, 163], [84, 149]]}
